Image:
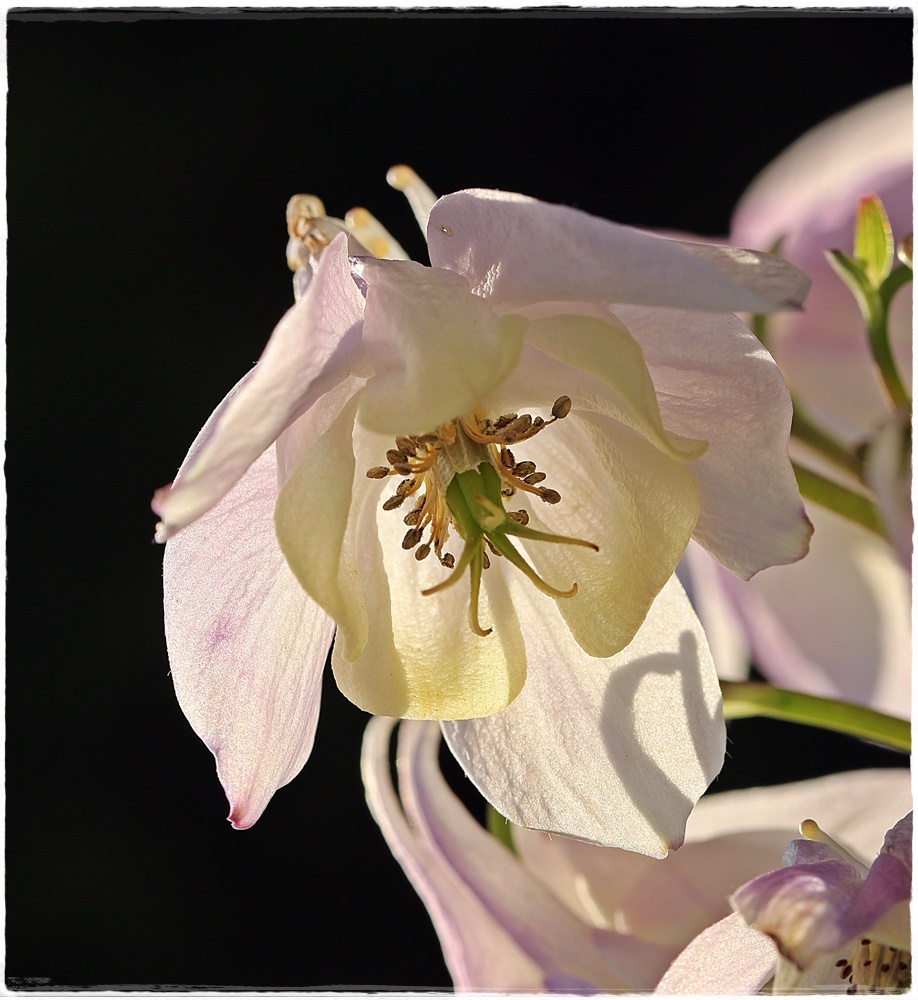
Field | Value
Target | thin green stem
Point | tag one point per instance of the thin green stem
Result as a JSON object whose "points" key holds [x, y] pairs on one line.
{"points": [[745, 700], [854, 506], [819, 440], [499, 828], [878, 335]]}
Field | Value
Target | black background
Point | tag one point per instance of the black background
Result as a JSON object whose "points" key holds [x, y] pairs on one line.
{"points": [[150, 161]]}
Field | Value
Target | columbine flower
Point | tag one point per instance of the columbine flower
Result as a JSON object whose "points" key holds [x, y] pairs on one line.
{"points": [[564, 915], [837, 924], [527, 427], [837, 623]]}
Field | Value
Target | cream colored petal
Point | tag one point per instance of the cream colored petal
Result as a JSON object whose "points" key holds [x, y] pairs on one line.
{"points": [[624, 495], [421, 659], [613, 751], [609, 352], [435, 348]]}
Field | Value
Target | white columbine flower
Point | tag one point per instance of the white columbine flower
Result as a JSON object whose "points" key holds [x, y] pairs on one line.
{"points": [[560, 403]]}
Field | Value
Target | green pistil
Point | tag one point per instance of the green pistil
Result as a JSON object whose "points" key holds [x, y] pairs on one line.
{"points": [[476, 505]]}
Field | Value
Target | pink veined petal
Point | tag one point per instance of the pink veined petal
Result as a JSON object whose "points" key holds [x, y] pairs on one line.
{"points": [[533, 918], [435, 348], [727, 958], [515, 250], [478, 951], [715, 381], [246, 645], [314, 347], [642, 738], [813, 625]]}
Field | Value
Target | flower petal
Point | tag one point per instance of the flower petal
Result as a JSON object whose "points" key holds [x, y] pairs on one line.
{"points": [[478, 951], [813, 625], [516, 250], [728, 957], [539, 925], [808, 198], [624, 495], [642, 736], [313, 347], [420, 659], [247, 647], [715, 381], [819, 902], [435, 348]]}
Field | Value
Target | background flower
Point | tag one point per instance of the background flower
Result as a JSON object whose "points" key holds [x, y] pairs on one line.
{"points": [[838, 623]]}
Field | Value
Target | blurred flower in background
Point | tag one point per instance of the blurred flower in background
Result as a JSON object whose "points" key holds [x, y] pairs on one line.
{"points": [[554, 914], [836, 624]]}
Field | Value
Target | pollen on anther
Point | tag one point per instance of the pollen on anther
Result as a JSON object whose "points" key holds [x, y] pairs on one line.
{"points": [[524, 469], [422, 552], [549, 496], [393, 502], [377, 472], [561, 408], [412, 537], [448, 560]]}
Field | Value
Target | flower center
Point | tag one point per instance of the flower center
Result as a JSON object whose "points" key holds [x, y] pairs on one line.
{"points": [[466, 469], [873, 967]]}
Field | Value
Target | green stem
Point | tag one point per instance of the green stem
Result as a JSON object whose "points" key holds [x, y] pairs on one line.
{"points": [[499, 828], [854, 506], [746, 700], [819, 440], [877, 315]]}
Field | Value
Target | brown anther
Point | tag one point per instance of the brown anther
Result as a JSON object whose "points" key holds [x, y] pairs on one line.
{"points": [[538, 423], [885, 967], [487, 561], [845, 972], [412, 537], [508, 491], [524, 469], [393, 502], [402, 469], [448, 560], [393, 456], [413, 516], [536, 477], [427, 439], [377, 472], [549, 496], [561, 408], [422, 552], [518, 428], [404, 487], [506, 458], [520, 516], [504, 421], [841, 962], [405, 445]]}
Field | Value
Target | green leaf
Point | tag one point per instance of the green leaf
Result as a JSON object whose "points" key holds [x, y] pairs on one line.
{"points": [[874, 246]]}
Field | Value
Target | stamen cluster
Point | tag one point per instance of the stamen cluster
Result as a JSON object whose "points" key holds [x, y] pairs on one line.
{"points": [[875, 968]]}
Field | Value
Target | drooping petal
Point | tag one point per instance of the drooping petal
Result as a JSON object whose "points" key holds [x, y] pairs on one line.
{"points": [[714, 381], [814, 625], [820, 901], [478, 951], [246, 645], [642, 733], [539, 925], [624, 495], [314, 347], [434, 347], [515, 250], [729, 957]]}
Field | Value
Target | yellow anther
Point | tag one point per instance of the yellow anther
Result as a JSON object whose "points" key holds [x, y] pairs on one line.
{"points": [[300, 210], [373, 235], [420, 197]]}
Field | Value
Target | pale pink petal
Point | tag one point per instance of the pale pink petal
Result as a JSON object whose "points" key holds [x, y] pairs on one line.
{"points": [[313, 348], [515, 250], [541, 927], [814, 625], [808, 198], [714, 381], [819, 901], [727, 958], [479, 952], [246, 645], [435, 349], [642, 733], [887, 470]]}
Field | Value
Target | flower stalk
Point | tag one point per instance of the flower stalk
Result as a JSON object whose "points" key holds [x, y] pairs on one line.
{"points": [[744, 700]]}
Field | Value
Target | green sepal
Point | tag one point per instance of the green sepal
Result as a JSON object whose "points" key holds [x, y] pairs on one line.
{"points": [[499, 828], [874, 247]]}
